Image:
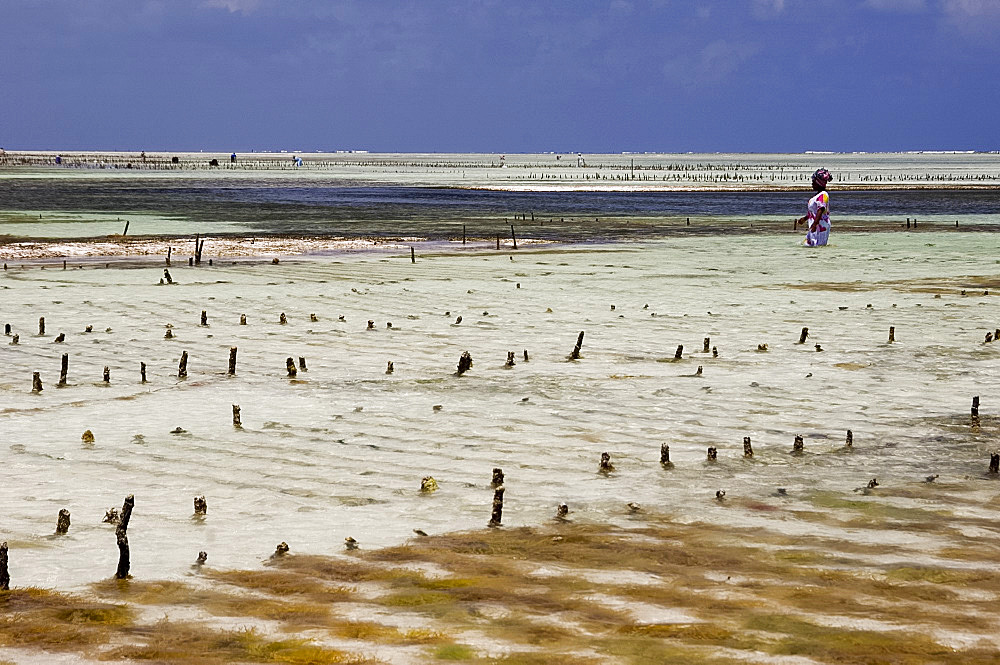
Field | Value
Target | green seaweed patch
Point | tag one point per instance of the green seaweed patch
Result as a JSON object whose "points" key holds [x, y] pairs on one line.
{"points": [[941, 575], [43, 619], [454, 652]]}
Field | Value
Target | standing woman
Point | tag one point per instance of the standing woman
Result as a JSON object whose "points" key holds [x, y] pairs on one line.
{"points": [[818, 216]]}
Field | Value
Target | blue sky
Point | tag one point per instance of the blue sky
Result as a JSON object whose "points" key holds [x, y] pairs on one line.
{"points": [[500, 76]]}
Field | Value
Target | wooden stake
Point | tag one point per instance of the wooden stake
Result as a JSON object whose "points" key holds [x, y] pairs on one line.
{"points": [[36, 382], [204, 318], [121, 535], [413, 256], [678, 352], [166, 276], [803, 335], [497, 478], [510, 359], [850, 439], [142, 371], [713, 454], [705, 344], [62, 522], [892, 334], [389, 367], [290, 366], [463, 234], [182, 366], [64, 370], [975, 413], [747, 447], [497, 515], [526, 355], [41, 325], [512, 236], [107, 374], [464, 363], [282, 319], [200, 505], [665, 456], [994, 463], [575, 354], [243, 319], [169, 251], [4, 572], [606, 465], [232, 360], [798, 446], [302, 364], [236, 416]]}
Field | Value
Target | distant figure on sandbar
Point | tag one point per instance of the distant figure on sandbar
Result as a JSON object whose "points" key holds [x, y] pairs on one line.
{"points": [[232, 158], [818, 214]]}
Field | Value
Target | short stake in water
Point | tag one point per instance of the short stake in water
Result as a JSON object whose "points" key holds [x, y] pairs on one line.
{"points": [[142, 371], [510, 360], [497, 478], [36, 382], [121, 535], [232, 360], [464, 363], [975, 414], [4, 572], [994, 463], [204, 318], [803, 335], [747, 447], [606, 465], [302, 364], [290, 366], [679, 352], [182, 366], [41, 325], [575, 354], [713, 454], [200, 505], [665, 456], [107, 374], [62, 522], [850, 439], [798, 445], [243, 319], [892, 334], [389, 367], [282, 319], [705, 344], [64, 371]]}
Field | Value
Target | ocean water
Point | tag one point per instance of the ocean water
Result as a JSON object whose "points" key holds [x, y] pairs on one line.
{"points": [[340, 451]]}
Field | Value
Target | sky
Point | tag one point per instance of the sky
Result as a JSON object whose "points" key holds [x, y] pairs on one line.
{"points": [[500, 76]]}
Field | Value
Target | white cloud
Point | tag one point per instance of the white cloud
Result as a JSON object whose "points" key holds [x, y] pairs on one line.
{"points": [[974, 17], [234, 6]]}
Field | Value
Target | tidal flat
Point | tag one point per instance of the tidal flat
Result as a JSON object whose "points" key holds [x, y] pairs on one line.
{"points": [[881, 551]]}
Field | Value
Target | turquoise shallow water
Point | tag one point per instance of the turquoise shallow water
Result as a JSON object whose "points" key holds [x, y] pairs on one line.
{"points": [[341, 451]]}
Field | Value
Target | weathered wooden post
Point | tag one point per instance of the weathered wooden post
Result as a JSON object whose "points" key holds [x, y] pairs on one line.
{"points": [[232, 360], [41, 325], [6, 329], [850, 439], [204, 318], [389, 367], [107, 374], [182, 366], [678, 352], [62, 522], [64, 370], [413, 256], [121, 535], [313, 318], [200, 505], [715, 352], [747, 447], [60, 338], [282, 319], [713, 454], [510, 360], [15, 339], [464, 363], [290, 366], [142, 371], [994, 463], [463, 234], [167, 277], [892, 334], [87, 437], [575, 354], [803, 335], [562, 510], [497, 515], [4, 572], [497, 478], [975, 413], [665, 456], [243, 319], [169, 252], [512, 236], [281, 550], [699, 370], [526, 355], [302, 364], [798, 445], [606, 465], [705, 344], [428, 484], [371, 324], [36, 382], [169, 334]]}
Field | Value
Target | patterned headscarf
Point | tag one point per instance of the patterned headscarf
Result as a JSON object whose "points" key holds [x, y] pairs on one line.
{"points": [[822, 177]]}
